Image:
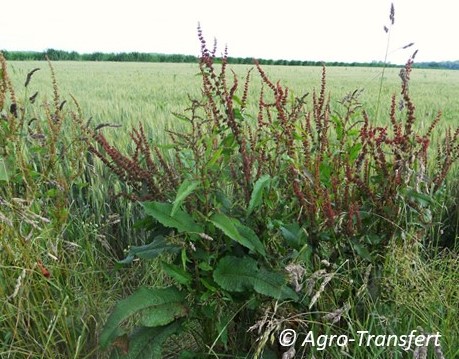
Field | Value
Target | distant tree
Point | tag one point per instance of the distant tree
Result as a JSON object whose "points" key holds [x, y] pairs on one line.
{"points": [[74, 56], [60, 55], [97, 56]]}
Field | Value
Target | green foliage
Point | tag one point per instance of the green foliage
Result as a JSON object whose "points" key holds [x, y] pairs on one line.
{"points": [[185, 189], [159, 307], [259, 188], [244, 275], [238, 232], [264, 211], [146, 342], [151, 250], [180, 220], [257, 201]]}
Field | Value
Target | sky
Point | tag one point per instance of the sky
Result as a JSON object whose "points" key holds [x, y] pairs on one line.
{"points": [[315, 30]]}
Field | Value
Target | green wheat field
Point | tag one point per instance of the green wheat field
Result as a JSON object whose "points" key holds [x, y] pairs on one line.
{"points": [[59, 273], [125, 93]]}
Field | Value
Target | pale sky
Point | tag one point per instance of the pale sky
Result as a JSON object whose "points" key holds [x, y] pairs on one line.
{"points": [[318, 30]]}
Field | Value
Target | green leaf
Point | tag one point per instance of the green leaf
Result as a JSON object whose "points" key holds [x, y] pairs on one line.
{"points": [[185, 189], [361, 250], [238, 232], [325, 172], [236, 274], [338, 126], [181, 117], [244, 274], [209, 286], [426, 215], [206, 267], [354, 151], [273, 284], [142, 299], [238, 114], [163, 314], [222, 200], [293, 235], [229, 141], [177, 273], [237, 100], [181, 221], [372, 238], [257, 193], [4, 173], [250, 237], [216, 155], [151, 250], [166, 146], [146, 342], [226, 224], [423, 199]]}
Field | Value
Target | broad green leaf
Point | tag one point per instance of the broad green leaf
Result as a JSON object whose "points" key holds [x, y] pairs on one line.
{"points": [[236, 274], [238, 232], [222, 328], [257, 193], [177, 273], [423, 199], [147, 342], [151, 250], [293, 235], [244, 274], [222, 199], [163, 314], [273, 284], [181, 221], [185, 189], [249, 236], [227, 225], [143, 298]]}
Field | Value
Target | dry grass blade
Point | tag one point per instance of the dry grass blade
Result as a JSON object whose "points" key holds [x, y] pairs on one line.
{"points": [[317, 295]]}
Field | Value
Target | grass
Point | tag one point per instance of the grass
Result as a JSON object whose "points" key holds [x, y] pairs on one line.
{"points": [[61, 317]]}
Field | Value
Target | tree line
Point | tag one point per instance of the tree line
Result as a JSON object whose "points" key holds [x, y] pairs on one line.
{"points": [[60, 55]]}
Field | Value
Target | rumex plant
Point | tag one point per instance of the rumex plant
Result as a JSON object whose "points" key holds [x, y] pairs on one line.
{"points": [[241, 199]]}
